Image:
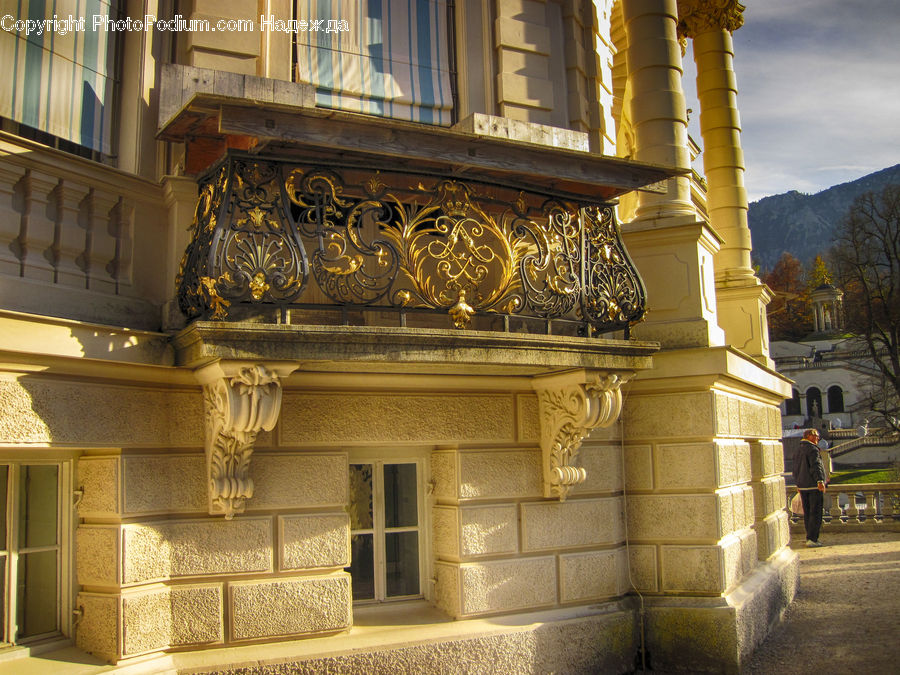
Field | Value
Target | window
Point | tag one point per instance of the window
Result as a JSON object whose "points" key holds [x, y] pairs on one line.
{"points": [[59, 85], [386, 513], [835, 399], [792, 405], [32, 534], [813, 402], [393, 58]]}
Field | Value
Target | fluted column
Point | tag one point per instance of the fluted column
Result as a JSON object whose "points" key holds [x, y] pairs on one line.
{"points": [[657, 107]]}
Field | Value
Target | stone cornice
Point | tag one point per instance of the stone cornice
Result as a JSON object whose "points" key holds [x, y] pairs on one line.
{"points": [[701, 16]]}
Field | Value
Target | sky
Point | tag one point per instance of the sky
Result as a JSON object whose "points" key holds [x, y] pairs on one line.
{"points": [[818, 92]]}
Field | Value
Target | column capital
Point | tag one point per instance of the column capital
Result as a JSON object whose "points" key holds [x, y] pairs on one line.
{"points": [[701, 16]]}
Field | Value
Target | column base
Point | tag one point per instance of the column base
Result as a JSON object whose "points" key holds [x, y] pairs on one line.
{"points": [[742, 314], [720, 634]]}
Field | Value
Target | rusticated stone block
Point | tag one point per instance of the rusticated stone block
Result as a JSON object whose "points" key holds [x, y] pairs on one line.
{"points": [[294, 606], [165, 483], [669, 415], [766, 458], [475, 531], [447, 593], [500, 474], [768, 496], [697, 569], [592, 575], [444, 474], [529, 419], [98, 629], [638, 467], [99, 478], [315, 540], [772, 534], [686, 465], [97, 415], [603, 463], [290, 480], [502, 585], [575, 522], [642, 561], [171, 616], [488, 530], [172, 549], [673, 517], [97, 555], [396, 418], [445, 532]]}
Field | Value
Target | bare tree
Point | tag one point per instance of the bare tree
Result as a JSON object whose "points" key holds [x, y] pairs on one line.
{"points": [[866, 259]]}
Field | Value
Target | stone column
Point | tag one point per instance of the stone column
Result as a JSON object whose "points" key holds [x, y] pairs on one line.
{"points": [[671, 245], [742, 298], [658, 110]]}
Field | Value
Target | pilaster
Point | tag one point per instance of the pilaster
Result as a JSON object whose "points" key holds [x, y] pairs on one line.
{"points": [[707, 547]]}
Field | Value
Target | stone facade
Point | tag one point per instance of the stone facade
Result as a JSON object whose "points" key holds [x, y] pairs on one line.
{"points": [[513, 484]]}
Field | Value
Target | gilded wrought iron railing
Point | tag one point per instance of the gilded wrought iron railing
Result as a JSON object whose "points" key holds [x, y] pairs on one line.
{"points": [[271, 234]]}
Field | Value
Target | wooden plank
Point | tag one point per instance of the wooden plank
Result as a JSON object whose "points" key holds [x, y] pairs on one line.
{"points": [[346, 133]]}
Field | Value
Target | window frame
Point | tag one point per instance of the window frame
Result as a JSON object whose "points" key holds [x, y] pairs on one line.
{"points": [[63, 546], [378, 458]]}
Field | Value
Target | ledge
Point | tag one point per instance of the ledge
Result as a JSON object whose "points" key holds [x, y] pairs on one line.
{"points": [[405, 350], [279, 118]]}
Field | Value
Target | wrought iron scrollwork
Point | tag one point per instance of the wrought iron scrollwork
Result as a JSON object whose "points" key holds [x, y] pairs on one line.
{"points": [[388, 240]]}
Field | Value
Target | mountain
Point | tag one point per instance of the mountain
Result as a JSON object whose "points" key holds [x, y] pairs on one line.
{"points": [[803, 224]]}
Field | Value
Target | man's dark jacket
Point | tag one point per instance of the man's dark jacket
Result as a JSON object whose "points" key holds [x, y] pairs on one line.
{"points": [[808, 467]]}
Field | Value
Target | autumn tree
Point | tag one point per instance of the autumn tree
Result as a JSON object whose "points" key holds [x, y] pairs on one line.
{"points": [[789, 312], [818, 274], [866, 258]]}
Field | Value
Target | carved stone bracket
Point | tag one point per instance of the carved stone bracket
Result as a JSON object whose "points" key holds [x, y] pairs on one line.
{"points": [[571, 405], [240, 399]]}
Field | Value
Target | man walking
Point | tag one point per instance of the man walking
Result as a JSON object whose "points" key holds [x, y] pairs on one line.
{"points": [[809, 476]]}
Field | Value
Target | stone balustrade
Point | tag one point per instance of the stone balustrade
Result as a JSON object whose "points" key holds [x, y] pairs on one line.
{"points": [[850, 507], [69, 229]]}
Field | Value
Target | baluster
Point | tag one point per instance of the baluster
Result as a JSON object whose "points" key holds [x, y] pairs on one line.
{"points": [[852, 510], [871, 506], [835, 510], [887, 506]]}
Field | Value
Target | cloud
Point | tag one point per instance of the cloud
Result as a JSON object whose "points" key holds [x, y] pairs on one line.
{"points": [[819, 95]]}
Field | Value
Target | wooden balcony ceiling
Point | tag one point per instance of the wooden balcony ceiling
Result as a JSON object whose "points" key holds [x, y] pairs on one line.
{"points": [[291, 132]]}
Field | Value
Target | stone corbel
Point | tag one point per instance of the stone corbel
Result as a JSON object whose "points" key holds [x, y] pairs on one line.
{"points": [[570, 405], [239, 399]]}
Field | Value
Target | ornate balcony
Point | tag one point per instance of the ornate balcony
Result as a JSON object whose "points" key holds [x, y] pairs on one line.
{"points": [[336, 218], [313, 237]]}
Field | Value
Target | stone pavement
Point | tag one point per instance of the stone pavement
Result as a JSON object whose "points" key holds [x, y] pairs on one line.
{"points": [[846, 616]]}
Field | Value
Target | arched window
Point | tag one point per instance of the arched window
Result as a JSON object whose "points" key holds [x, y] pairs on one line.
{"points": [[835, 399], [813, 402], [792, 405]]}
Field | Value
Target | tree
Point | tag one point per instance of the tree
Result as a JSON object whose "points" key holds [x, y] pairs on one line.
{"points": [[789, 313], [866, 257], [818, 274]]}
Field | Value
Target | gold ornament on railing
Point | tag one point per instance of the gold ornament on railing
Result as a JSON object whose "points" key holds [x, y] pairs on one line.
{"points": [[388, 240]]}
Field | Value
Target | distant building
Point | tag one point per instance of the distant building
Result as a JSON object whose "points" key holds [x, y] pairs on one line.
{"points": [[833, 376], [322, 332]]}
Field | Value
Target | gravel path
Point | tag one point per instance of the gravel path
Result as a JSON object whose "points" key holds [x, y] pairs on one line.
{"points": [[846, 616]]}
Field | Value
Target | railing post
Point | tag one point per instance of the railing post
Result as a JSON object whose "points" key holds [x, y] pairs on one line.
{"points": [[852, 511], [835, 510]]}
